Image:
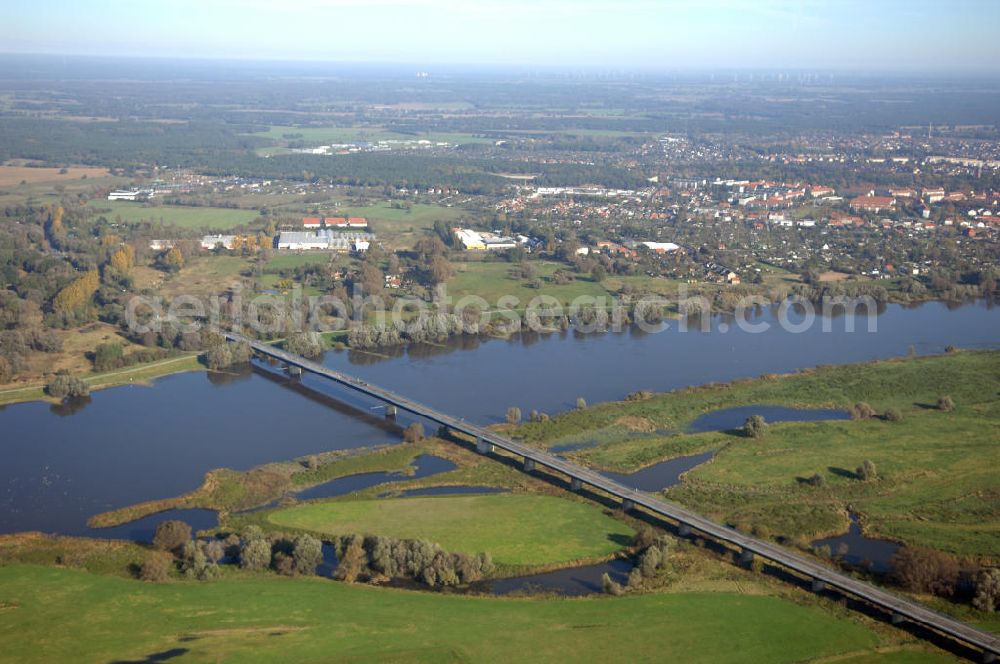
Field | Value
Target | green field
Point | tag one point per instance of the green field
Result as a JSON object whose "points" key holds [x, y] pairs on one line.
{"points": [[515, 529], [491, 281], [937, 483], [60, 615], [217, 219], [292, 261]]}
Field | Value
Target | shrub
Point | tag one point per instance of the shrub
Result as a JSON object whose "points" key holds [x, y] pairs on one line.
{"points": [[171, 535], [308, 344], [307, 554], [108, 356], [754, 427], [610, 586], [923, 570], [155, 569], [946, 404], [223, 355], [513, 415], [284, 564], [641, 395], [634, 578], [987, 591], [816, 480], [892, 415], [255, 555], [64, 386], [215, 550], [866, 472], [650, 561], [413, 433], [862, 411], [581, 403]]}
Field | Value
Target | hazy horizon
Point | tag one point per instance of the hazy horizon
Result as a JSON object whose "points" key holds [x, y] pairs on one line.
{"points": [[632, 35]]}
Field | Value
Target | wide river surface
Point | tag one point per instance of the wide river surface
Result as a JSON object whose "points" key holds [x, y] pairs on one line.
{"points": [[132, 444]]}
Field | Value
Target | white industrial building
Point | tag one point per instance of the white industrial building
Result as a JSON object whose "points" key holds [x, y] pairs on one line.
{"points": [[324, 240], [210, 242], [126, 195]]}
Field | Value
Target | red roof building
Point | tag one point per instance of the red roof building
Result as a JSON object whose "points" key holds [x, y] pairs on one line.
{"points": [[872, 203], [311, 222]]}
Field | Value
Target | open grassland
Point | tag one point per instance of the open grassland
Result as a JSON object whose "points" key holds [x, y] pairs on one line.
{"points": [[936, 485], [204, 275], [217, 219], [269, 618], [292, 261], [14, 175], [491, 281], [906, 384], [514, 529]]}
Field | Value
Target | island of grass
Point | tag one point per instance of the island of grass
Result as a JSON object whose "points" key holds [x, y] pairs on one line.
{"points": [[936, 482], [516, 530], [260, 618]]}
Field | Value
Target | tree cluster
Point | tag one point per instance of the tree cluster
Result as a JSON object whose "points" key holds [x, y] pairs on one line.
{"points": [[374, 557]]}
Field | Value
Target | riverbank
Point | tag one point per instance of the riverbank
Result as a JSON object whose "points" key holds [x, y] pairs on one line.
{"points": [[142, 374], [935, 484]]}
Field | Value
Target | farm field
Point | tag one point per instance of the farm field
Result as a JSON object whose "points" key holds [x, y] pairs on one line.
{"points": [[492, 280], [267, 618], [514, 529], [11, 176], [216, 219], [204, 275]]}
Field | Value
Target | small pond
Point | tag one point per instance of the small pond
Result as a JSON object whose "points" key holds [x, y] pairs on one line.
{"points": [[859, 551], [574, 581], [661, 475], [424, 465], [727, 419]]}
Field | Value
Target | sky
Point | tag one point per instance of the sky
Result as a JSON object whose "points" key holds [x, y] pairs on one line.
{"points": [[869, 35]]}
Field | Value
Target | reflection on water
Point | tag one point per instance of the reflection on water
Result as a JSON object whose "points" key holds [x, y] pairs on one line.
{"points": [[134, 444], [661, 475], [424, 465], [574, 581], [727, 419], [860, 551], [479, 379], [142, 530]]}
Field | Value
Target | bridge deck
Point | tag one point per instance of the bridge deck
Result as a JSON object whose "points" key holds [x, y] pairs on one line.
{"points": [[917, 613]]}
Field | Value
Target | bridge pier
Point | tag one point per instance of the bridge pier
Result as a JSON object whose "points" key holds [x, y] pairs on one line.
{"points": [[483, 447], [989, 657], [529, 465], [390, 412], [294, 370], [683, 530], [627, 505], [746, 556], [818, 586], [896, 618], [575, 484]]}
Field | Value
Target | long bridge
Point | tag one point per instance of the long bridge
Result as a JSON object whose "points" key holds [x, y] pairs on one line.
{"points": [[899, 608]]}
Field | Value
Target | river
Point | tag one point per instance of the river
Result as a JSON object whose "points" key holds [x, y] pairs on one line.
{"points": [[134, 443]]}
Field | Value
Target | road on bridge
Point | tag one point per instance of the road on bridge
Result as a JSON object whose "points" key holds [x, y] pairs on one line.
{"points": [[899, 607]]}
